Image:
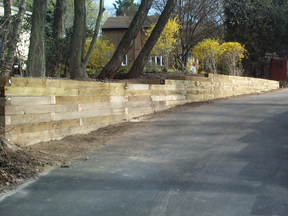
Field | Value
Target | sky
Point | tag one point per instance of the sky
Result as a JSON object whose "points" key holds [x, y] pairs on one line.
{"points": [[108, 4]]}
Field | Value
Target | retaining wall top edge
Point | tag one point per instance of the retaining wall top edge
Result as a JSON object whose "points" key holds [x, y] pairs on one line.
{"points": [[47, 82]]}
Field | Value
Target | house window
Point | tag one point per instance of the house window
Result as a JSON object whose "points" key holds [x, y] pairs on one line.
{"points": [[124, 62], [156, 61]]}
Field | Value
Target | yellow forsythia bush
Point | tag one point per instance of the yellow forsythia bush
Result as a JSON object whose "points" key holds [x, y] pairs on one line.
{"points": [[231, 54], [210, 52], [101, 54], [167, 40], [207, 52]]}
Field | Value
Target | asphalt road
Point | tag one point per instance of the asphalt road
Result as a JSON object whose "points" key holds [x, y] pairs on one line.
{"points": [[226, 158]]}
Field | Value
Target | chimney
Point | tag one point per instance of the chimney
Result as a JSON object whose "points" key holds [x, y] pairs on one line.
{"points": [[11, 2]]}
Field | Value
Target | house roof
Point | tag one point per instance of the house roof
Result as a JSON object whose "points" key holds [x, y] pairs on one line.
{"points": [[123, 22]]}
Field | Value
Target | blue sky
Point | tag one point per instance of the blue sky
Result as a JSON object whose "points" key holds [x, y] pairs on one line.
{"points": [[109, 5]]}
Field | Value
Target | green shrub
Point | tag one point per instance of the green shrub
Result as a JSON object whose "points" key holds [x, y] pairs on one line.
{"points": [[175, 71], [122, 69], [90, 71], [155, 69]]}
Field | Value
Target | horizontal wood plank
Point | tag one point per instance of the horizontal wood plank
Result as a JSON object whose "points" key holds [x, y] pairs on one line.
{"points": [[83, 84], [33, 91], [138, 86], [82, 114], [101, 92], [81, 99], [167, 87], [32, 118], [104, 119], [17, 101], [28, 82], [102, 106], [40, 126], [30, 138], [132, 104], [193, 78], [117, 99], [78, 130], [139, 98], [137, 92], [168, 97], [140, 110], [17, 110]]}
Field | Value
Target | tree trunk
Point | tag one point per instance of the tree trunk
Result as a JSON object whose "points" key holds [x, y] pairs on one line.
{"points": [[57, 34], [4, 38], [9, 60], [58, 19], [73, 65], [77, 63], [36, 57], [185, 58], [127, 41], [6, 24], [143, 56], [96, 31], [7, 8]]}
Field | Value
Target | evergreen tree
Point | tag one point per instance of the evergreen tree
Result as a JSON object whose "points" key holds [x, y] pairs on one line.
{"points": [[261, 25], [125, 7]]}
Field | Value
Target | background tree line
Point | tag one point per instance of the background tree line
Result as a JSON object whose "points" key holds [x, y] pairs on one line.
{"points": [[65, 33]]}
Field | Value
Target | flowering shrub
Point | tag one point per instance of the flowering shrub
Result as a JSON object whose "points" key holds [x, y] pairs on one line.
{"points": [[231, 54], [101, 54], [207, 52], [167, 40]]}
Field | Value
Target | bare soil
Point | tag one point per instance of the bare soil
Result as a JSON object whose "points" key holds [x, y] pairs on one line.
{"points": [[18, 166]]}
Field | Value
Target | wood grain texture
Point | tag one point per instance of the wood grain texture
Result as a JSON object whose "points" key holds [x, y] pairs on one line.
{"points": [[32, 118], [17, 110], [104, 119], [31, 137], [81, 99], [33, 91], [138, 92], [82, 114], [25, 101], [102, 106], [44, 109], [40, 126]]}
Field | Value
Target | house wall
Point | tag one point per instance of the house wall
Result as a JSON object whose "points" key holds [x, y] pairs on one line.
{"points": [[115, 36], [23, 44], [34, 110]]}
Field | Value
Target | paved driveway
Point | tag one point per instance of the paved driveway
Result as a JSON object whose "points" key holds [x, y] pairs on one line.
{"points": [[225, 158]]}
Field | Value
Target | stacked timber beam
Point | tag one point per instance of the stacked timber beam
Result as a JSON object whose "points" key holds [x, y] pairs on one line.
{"points": [[34, 110]]}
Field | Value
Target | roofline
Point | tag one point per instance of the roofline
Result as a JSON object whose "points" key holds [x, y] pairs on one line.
{"points": [[115, 28], [147, 23], [124, 27]]}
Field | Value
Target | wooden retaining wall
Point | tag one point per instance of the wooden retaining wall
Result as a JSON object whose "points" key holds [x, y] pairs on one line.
{"points": [[34, 110]]}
